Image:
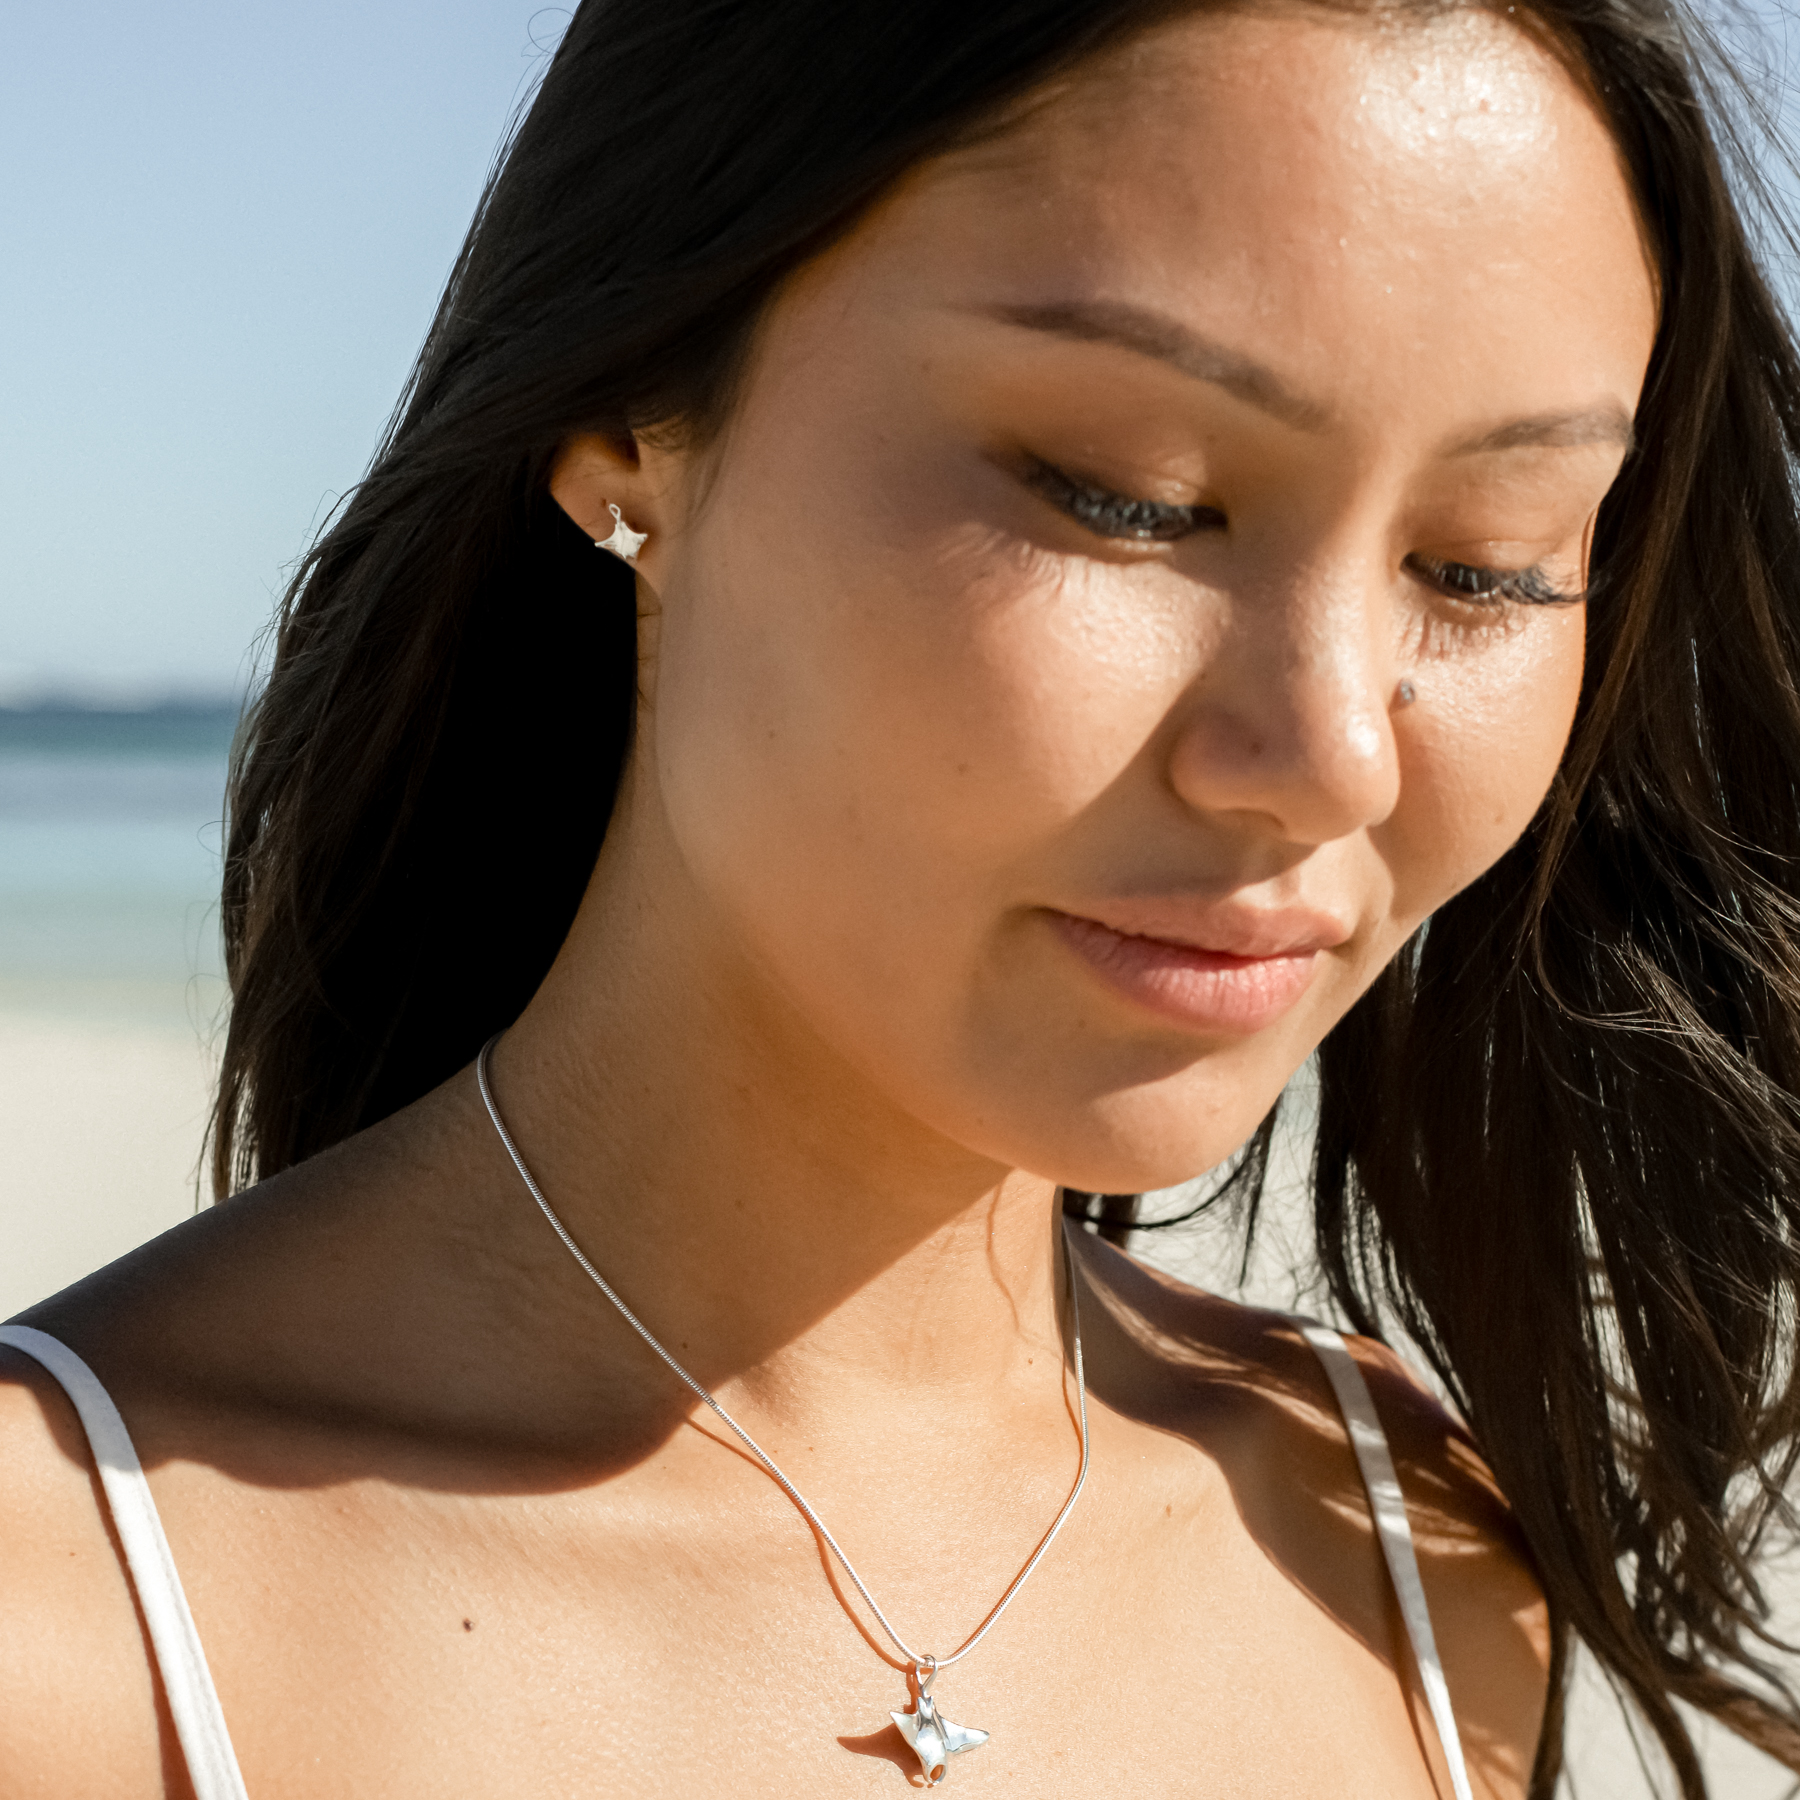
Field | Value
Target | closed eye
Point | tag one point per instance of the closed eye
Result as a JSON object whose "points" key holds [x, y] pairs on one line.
{"points": [[1111, 515], [1490, 587]]}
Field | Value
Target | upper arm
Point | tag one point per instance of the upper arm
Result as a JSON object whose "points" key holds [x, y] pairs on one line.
{"points": [[81, 1713]]}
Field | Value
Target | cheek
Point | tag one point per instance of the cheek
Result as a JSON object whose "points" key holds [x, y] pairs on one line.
{"points": [[1478, 752], [892, 735]]}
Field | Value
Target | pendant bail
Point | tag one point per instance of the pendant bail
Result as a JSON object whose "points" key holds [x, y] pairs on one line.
{"points": [[931, 1737]]}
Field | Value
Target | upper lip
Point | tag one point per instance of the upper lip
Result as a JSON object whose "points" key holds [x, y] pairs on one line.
{"points": [[1225, 927]]}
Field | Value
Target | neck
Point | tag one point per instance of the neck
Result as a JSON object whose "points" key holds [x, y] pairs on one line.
{"points": [[787, 1231]]}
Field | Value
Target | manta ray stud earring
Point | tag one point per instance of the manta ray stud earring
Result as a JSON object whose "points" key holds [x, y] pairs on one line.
{"points": [[624, 542]]}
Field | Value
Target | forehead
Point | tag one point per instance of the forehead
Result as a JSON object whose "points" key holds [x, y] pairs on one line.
{"points": [[1461, 100], [1435, 186]]}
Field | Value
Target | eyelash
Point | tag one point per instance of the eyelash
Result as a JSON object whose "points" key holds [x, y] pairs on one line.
{"points": [[1111, 515], [1489, 587]]}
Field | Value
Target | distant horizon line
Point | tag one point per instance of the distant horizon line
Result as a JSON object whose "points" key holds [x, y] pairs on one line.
{"points": [[110, 701]]}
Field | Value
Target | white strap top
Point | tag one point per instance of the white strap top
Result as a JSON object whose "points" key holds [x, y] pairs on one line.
{"points": [[194, 1702], [1388, 1506]]}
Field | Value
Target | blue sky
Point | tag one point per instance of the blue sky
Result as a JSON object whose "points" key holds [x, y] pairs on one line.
{"points": [[223, 228], [222, 231]]}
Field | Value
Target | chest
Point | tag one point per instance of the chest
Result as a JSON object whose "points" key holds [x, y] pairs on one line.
{"points": [[370, 1639]]}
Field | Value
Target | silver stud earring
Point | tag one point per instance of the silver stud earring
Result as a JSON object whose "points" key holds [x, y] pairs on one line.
{"points": [[1405, 694], [624, 542]]}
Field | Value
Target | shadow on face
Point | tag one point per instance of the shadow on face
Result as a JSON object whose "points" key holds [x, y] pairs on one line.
{"points": [[1157, 529]]}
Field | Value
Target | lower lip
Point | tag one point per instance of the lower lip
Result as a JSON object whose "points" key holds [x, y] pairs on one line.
{"points": [[1208, 990]]}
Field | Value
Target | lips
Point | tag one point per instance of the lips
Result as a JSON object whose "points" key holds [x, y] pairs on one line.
{"points": [[1214, 970]]}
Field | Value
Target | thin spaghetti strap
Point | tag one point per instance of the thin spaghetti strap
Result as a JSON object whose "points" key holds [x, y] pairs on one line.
{"points": [[193, 1701], [1388, 1506]]}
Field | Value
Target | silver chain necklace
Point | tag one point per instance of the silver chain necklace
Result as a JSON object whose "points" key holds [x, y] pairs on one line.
{"points": [[932, 1737]]}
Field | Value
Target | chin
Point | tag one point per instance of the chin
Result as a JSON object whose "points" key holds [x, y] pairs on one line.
{"points": [[1126, 1146], [1119, 1118], [1108, 1176]]}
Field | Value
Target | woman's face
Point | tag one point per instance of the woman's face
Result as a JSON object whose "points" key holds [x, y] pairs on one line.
{"points": [[1141, 578]]}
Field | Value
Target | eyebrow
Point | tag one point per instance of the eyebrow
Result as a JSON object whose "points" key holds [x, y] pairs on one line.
{"points": [[1165, 340], [1161, 338], [1607, 423]]}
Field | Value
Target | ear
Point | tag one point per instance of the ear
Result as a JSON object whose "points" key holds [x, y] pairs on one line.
{"points": [[594, 472]]}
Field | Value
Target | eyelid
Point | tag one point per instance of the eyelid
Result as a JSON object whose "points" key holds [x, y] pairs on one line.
{"points": [[1519, 587], [1089, 503]]}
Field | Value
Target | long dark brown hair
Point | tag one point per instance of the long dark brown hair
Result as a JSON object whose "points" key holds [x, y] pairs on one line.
{"points": [[1559, 1140]]}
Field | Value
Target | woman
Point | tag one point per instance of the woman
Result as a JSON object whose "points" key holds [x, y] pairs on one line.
{"points": [[1133, 510]]}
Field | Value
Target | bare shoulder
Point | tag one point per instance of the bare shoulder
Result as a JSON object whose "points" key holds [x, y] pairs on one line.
{"points": [[168, 1329], [1487, 1606], [82, 1714], [1476, 1566], [1248, 1383]]}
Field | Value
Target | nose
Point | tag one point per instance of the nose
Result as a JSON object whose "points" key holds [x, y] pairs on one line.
{"points": [[1289, 724]]}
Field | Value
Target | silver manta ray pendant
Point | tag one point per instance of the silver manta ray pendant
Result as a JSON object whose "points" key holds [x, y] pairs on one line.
{"points": [[934, 1740]]}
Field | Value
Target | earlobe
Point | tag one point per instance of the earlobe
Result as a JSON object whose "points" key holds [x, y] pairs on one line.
{"points": [[594, 479]]}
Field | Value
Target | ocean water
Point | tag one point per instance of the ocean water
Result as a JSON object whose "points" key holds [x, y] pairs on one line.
{"points": [[110, 835]]}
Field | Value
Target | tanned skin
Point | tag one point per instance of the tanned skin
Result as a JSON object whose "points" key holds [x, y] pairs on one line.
{"points": [[925, 744]]}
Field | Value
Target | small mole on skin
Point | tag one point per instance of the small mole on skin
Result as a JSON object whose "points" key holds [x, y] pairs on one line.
{"points": [[468, 1624]]}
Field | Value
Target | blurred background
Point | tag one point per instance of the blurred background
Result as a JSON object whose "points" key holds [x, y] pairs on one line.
{"points": [[225, 228]]}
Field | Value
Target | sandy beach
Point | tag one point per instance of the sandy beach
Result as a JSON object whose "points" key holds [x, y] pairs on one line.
{"points": [[100, 1135]]}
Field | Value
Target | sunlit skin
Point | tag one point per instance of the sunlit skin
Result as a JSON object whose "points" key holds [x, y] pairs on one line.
{"points": [[970, 844]]}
